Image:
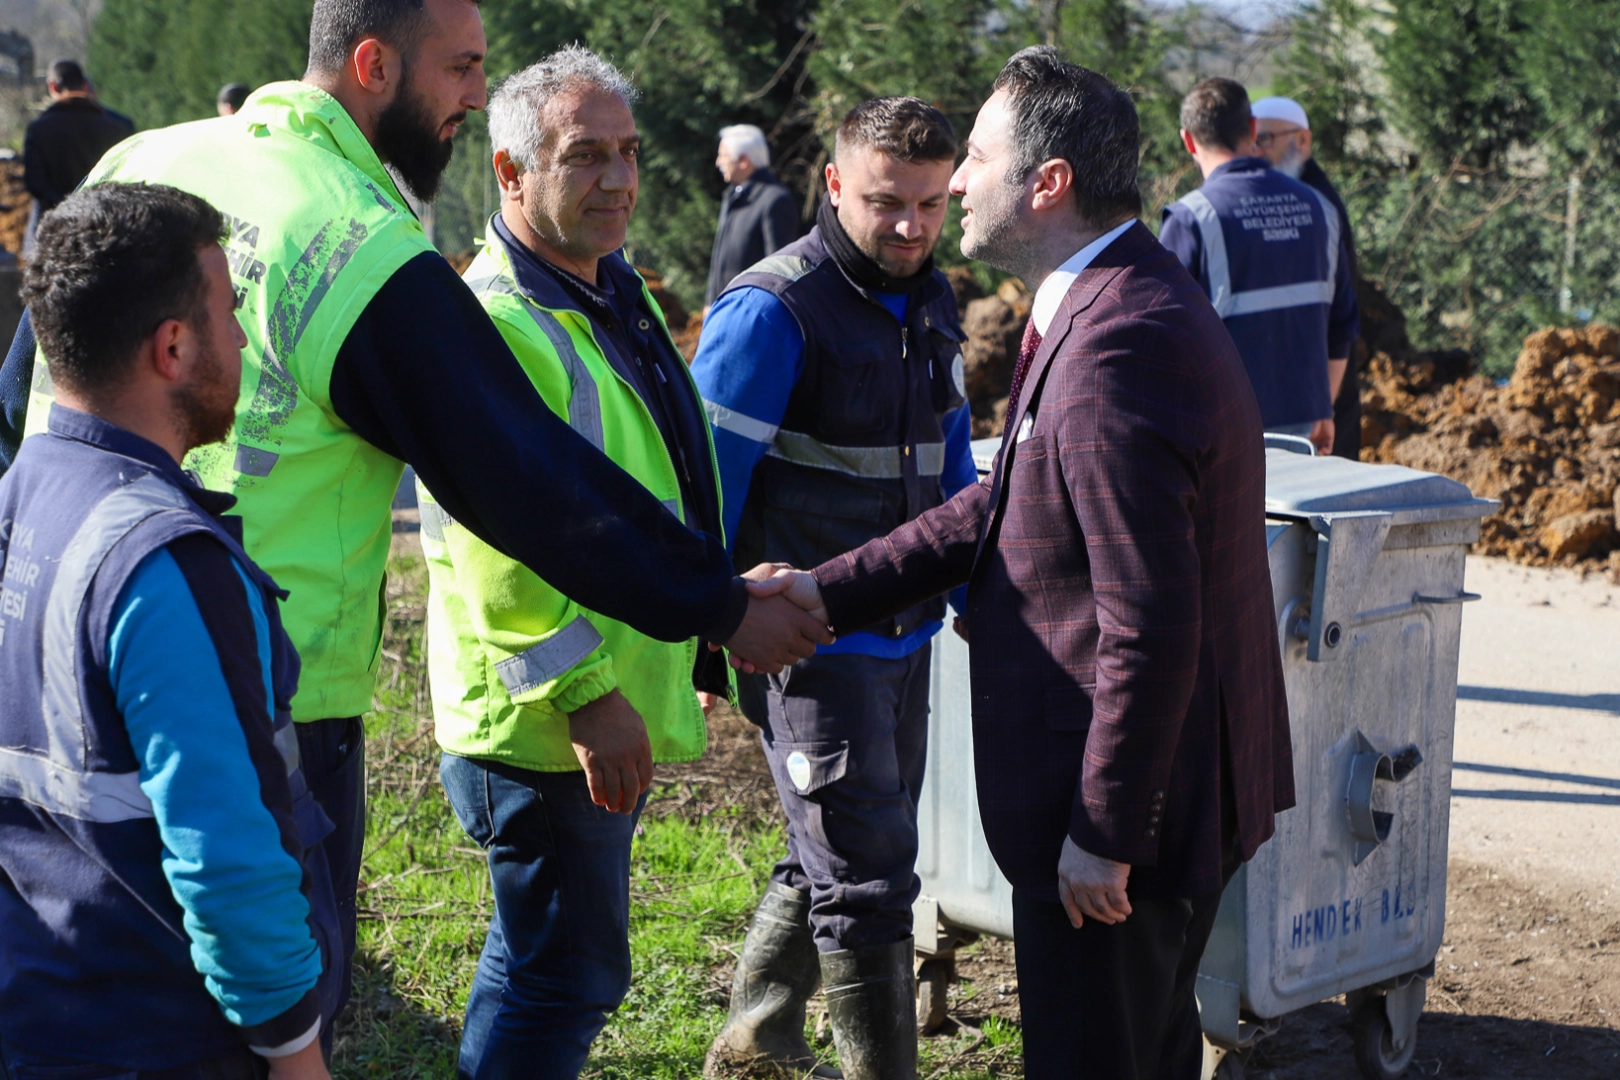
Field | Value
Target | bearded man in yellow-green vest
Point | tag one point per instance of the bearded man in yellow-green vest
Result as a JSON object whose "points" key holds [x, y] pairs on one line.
{"points": [[365, 352]]}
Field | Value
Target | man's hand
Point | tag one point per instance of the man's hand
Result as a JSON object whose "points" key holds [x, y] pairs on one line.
{"points": [[785, 620], [307, 1064], [960, 625], [708, 701], [610, 741], [1322, 436], [1091, 886]]}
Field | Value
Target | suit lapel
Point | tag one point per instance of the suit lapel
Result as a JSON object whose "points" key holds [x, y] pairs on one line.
{"points": [[1083, 292]]}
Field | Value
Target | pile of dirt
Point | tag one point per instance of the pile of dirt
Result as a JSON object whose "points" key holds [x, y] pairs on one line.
{"points": [[14, 205], [1547, 444], [994, 326]]}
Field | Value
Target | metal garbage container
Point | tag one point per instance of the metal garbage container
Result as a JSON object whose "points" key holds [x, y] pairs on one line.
{"points": [[1349, 897]]}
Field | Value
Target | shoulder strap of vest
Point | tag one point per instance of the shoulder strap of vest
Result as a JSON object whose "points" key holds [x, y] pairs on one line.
{"points": [[788, 267], [1217, 270]]}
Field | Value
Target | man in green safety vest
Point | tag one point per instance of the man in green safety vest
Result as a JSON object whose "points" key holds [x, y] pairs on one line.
{"points": [[365, 351], [551, 714]]}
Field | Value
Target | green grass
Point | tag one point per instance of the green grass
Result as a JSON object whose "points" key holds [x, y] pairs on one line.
{"points": [[425, 903]]}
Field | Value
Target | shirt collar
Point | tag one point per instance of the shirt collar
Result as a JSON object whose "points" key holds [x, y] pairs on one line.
{"points": [[103, 435], [1247, 163], [1049, 297]]}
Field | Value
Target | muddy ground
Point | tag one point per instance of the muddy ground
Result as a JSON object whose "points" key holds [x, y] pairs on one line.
{"points": [[1527, 986]]}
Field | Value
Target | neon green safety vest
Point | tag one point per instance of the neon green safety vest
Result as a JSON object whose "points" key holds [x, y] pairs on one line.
{"points": [[317, 226], [508, 655]]}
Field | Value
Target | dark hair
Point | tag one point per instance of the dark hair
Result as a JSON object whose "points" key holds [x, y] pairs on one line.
{"points": [[1216, 113], [232, 94], [110, 263], [335, 26], [1062, 110], [68, 75], [906, 128]]}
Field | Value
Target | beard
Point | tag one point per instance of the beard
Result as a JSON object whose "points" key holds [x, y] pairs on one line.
{"points": [[996, 237], [1293, 161], [408, 141], [206, 406]]}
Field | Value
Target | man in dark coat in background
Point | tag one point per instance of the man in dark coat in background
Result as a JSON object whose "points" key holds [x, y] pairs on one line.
{"points": [[1284, 139], [757, 215], [66, 140]]}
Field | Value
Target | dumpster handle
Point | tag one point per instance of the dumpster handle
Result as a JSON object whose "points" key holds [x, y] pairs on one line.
{"points": [[1460, 598], [1369, 827]]}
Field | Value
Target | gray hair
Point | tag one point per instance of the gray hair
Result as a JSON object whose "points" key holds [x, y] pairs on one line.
{"points": [[747, 141], [516, 104]]}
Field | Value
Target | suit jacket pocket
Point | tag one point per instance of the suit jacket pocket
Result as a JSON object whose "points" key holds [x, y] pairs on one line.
{"points": [[1068, 708]]}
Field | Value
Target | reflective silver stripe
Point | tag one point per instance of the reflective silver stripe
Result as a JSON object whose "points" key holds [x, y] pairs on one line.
{"points": [[286, 739], [1217, 269], [1253, 301], [584, 404], [867, 462], [1279, 297], [60, 782], [739, 424], [791, 267], [550, 658], [434, 519], [95, 796], [930, 458]]}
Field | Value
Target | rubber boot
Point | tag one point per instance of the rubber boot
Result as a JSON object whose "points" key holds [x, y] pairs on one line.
{"points": [[776, 974], [872, 1003]]}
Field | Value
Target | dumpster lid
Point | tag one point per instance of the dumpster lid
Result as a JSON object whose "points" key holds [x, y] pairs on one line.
{"points": [[1300, 486], [984, 453]]}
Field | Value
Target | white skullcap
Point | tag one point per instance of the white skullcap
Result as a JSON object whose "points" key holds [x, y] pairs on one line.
{"points": [[1280, 108]]}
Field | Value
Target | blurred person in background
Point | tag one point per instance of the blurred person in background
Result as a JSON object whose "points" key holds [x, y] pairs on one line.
{"points": [[757, 214], [65, 141], [1283, 137], [230, 97], [1271, 257]]}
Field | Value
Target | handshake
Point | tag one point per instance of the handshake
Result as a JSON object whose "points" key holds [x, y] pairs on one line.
{"points": [[785, 621]]}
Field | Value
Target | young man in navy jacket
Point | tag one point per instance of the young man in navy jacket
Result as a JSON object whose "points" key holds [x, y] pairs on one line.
{"points": [[164, 906]]}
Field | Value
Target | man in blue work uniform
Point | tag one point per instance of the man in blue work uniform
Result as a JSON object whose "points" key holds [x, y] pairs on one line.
{"points": [[165, 909], [832, 373], [1270, 254]]}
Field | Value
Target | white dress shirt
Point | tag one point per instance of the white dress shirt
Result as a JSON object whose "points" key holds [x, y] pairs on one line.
{"points": [[1049, 297]]}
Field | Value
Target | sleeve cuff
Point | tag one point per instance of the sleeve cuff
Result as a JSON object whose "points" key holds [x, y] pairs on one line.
{"points": [[288, 1033], [596, 682], [732, 618]]}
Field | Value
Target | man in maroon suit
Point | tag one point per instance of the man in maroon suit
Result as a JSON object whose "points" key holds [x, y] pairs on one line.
{"points": [[1130, 727]]}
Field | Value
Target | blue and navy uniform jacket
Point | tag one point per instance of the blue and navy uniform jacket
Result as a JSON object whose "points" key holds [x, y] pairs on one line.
{"points": [[1270, 255], [838, 415], [163, 899]]}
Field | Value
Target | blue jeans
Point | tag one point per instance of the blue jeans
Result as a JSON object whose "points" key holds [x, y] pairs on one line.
{"points": [[556, 961]]}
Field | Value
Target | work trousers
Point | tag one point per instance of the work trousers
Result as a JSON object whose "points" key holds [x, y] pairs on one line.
{"points": [[16, 1064], [332, 754], [1111, 1002], [847, 739], [556, 961]]}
